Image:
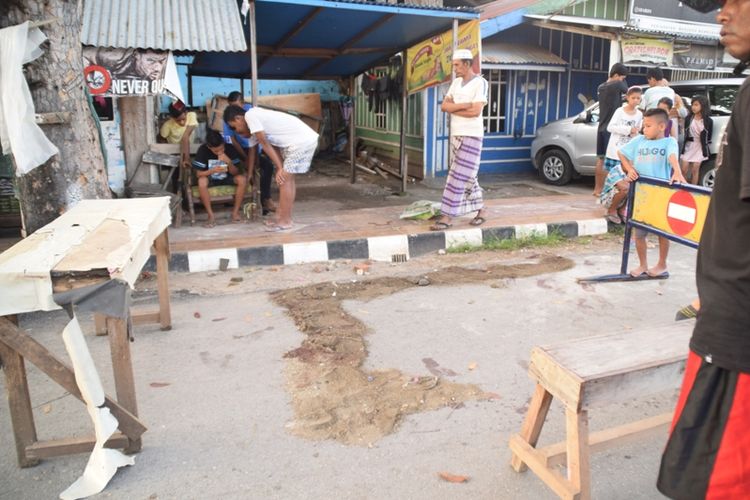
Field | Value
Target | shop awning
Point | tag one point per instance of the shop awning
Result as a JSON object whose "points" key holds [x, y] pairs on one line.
{"points": [[498, 55], [319, 39], [194, 25]]}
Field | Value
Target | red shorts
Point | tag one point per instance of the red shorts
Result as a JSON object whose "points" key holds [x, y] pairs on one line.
{"points": [[708, 451]]}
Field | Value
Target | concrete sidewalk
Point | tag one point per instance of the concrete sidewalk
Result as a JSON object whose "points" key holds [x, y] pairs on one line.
{"points": [[338, 220]]}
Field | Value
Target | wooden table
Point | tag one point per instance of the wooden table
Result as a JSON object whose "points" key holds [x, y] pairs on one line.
{"points": [[96, 241]]}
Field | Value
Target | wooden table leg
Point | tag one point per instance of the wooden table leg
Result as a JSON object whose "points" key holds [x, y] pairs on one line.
{"points": [[119, 344], [100, 324], [19, 403], [162, 279], [579, 470], [532, 424]]}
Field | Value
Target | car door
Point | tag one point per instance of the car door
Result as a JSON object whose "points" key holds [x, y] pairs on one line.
{"points": [[585, 142]]}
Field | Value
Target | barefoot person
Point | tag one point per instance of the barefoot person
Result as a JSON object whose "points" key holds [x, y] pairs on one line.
{"points": [[288, 142], [708, 451], [464, 101], [216, 163]]}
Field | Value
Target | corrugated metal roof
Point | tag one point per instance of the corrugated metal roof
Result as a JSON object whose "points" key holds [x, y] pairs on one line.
{"points": [[707, 35], [189, 25], [515, 53]]}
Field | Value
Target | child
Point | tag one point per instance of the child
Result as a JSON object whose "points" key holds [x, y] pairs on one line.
{"points": [[672, 129], [652, 155], [623, 126], [698, 130]]}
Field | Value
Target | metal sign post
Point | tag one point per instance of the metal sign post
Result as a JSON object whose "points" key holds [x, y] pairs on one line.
{"points": [[675, 211]]}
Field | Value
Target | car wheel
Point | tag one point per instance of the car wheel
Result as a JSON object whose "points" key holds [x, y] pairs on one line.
{"points": [[708, 178], [555, 167]]}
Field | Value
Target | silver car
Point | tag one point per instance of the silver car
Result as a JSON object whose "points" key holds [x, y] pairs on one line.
{"points": [[566, 148]]}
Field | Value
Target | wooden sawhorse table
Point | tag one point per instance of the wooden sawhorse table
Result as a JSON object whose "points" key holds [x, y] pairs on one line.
{"points": [[589, 373], [96, 241]]}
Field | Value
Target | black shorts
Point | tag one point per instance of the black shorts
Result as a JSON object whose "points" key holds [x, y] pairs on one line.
{"points": [[226, 181], [708, 451], [602, 139]]}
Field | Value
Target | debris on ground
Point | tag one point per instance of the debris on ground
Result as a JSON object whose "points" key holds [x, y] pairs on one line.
{"points": [[362, 268], [197, 315], [452, 478], [423, 281], [472, 366], [236, 279], [159, 384], [333, 397]]}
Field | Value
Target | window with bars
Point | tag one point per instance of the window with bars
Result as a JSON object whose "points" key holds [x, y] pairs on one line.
{"points": [[381, 115], [494, 112]]}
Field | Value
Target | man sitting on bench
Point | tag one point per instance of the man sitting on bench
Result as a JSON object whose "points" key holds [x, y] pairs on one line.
{"points": [[216, 163]]}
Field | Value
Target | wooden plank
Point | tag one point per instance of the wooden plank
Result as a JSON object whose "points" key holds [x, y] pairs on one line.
{"points": [[578, 464], [171, 149], [35, 353], [145, 318], [533, 422], [603, 355], [119, 345], [602, 440], [158, 158], [535, 460], [93, 253], [71, 446], [556, 378], [19, 403], [161, 245], [631, 385]]}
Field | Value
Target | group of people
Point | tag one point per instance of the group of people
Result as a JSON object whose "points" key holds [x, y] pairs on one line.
{"points": [[642, 137], [282, 144]]}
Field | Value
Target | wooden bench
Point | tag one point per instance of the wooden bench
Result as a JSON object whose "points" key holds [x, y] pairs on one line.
{"points": [[590, 373]]}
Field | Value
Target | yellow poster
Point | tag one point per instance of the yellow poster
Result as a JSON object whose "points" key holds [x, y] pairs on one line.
{"points": [[429, 62], [671, 209]]}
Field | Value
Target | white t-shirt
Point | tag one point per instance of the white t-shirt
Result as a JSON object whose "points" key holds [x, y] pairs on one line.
{"points": [[620, 127], [282, 129], [653, 94], [475, 90]]}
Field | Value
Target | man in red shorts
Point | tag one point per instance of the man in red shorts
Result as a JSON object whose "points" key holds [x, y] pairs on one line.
{"points": [[708, 452]]}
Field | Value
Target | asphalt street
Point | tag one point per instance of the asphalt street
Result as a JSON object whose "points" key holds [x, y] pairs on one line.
{"points": [[212, 390]]}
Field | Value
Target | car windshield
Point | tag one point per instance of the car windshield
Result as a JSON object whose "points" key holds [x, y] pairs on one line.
{"points": [[721, 99]]}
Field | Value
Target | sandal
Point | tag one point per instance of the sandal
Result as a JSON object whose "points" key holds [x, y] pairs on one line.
{"points": [[440, 226], [477, 221], [686, 312], [614, 219], [209, 224]]}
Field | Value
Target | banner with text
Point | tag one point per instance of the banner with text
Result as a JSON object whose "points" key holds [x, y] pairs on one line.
{"points": [[130, 72], [429, 63], [647, 50]]}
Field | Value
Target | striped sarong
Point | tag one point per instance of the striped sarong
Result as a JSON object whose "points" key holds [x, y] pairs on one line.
{"points": [[462, 193]]}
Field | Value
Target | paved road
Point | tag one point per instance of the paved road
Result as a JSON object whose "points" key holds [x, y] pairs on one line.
{"points": [[217, 430]]}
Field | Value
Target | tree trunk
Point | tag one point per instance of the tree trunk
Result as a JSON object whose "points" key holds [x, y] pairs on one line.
{"points": [[56, 82]]}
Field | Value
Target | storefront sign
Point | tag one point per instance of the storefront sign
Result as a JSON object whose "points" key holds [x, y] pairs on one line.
{"points": [[647, 50], [129, 72], [429, 63], [692, 56], [672, 17]]}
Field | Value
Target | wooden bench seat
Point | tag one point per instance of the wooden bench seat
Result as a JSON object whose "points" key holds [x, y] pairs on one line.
{"points": [[589, 373]]}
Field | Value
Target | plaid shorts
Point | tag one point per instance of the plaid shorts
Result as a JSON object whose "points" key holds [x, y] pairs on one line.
{"points": [[297, 158], [610, 163]]}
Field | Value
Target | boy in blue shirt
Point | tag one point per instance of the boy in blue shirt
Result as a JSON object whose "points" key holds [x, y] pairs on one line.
{"points": [[652, 155]]}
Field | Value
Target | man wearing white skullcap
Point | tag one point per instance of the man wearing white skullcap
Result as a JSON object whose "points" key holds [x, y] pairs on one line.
{"points": [[464, 101]]}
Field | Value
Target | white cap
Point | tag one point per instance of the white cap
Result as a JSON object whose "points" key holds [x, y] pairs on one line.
{"points": [[462, 54]]}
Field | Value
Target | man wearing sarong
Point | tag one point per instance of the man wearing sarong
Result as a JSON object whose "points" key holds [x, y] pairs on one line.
{"points": [[708, 451], [464, 101]]}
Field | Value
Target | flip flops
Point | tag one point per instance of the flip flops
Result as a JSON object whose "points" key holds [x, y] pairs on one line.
{"points": [[686, 312], [614, 219], [440, 226], [477, 221], [275, 228]]}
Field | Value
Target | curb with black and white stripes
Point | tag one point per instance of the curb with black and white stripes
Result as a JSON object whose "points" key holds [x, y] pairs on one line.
{"points": [[395, 248]]}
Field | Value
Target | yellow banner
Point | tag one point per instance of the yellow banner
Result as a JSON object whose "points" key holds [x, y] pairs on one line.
{"points": [[429, 63], [671, 209]]}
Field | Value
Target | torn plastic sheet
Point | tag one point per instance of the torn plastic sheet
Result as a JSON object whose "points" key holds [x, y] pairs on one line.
{"points": [[103, 462], [111, 298]]}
